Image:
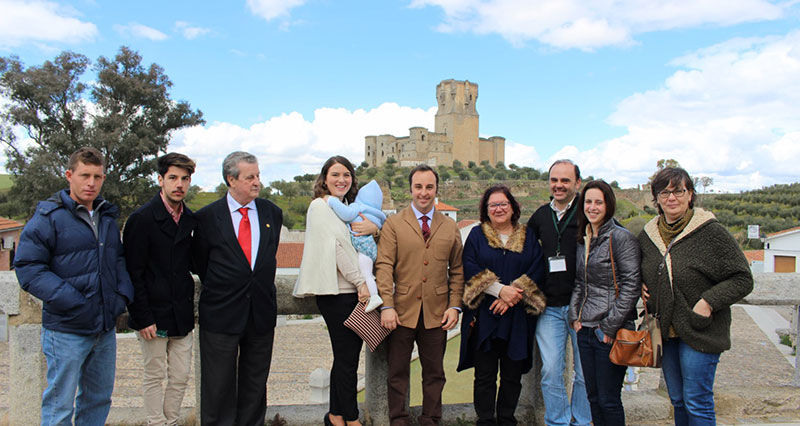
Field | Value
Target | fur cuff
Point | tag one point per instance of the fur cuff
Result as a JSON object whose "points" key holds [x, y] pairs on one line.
{"points": [[473, 291], [533, 297]]}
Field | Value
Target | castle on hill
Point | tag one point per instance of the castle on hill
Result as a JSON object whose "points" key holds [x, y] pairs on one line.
{"points": [[455, 136]]}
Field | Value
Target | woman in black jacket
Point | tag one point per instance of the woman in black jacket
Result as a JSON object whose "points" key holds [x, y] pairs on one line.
{"points": [[607, 286]]}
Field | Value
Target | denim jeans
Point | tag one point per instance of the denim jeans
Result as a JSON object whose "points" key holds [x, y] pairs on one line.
{"points": [[603, 380], [83, 363], [690, 383], [552, 330]]}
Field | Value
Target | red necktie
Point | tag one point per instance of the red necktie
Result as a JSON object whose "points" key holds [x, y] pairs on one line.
{"points": [[244, 233], [426, 230]]}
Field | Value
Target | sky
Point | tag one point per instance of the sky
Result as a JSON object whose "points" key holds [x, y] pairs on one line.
{"points": [[613, 85]]}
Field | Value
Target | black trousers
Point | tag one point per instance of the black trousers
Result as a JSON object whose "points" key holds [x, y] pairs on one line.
{"points": [[485, 385], [346, 347], [231, 395]]}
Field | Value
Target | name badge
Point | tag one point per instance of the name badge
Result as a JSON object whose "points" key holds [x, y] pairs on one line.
{"points": [[557, 263]]}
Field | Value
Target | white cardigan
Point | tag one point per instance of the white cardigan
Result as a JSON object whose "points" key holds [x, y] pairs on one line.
{"points": [[318, 273]]}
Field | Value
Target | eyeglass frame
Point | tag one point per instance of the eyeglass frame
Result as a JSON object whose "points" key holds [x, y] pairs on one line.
{"points": [[495, 206], [678, 193]]}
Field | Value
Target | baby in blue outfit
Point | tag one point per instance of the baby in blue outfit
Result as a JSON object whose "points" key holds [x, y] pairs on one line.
{"points": [[369, 202]]}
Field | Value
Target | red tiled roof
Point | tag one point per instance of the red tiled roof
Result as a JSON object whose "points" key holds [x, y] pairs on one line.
{"points": [[463, 223], [785, 231], [754, 255], [289, 255], [8, 224], [445, 207]]}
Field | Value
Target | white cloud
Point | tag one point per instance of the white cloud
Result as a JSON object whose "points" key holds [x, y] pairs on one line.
{"points": [[289, 145], [271, 9], [41, 22], [137, 30], [189, 31], [732, 112], [593, 24]]}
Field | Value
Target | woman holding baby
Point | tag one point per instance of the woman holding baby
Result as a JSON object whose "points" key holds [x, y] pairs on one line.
{"points": [[329, 246]]}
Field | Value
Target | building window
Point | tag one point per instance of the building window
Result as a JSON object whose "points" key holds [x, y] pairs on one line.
{"points": [[423, 137]]}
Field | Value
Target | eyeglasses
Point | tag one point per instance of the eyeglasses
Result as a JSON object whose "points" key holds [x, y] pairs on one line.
{"points": [[503, 205], [679, 193]]}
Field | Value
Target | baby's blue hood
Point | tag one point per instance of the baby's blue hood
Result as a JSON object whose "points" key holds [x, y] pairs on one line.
{"points": [[370, 195]]}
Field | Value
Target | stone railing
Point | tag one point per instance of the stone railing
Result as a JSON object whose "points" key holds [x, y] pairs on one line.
{"points": [[27, 364]]}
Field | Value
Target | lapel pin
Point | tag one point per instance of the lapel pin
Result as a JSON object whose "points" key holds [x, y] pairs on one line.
{"points": [[268, 225]]}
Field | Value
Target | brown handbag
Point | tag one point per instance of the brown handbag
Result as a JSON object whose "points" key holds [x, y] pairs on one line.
{"points": [[636, 348]]}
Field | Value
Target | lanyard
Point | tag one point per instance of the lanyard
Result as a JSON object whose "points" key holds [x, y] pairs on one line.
{"points": [[560, 230]]}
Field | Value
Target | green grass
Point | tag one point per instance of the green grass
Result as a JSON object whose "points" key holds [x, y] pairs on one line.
{"points": [[458, 388], [201, 200], [5, 182]]}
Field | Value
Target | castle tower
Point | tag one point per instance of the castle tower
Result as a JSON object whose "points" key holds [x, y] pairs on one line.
{"points": [[457, 118]]}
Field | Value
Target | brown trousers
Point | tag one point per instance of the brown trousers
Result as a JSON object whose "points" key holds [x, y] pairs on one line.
{"points": [[431, 345]]}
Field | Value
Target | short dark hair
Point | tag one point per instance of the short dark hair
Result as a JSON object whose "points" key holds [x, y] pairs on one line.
{"points": [[609, 198], [423, 168], [484, 206], [174, 159], [230, 165], [671, 176], [321, 188], [86, 155], [570, 162]]}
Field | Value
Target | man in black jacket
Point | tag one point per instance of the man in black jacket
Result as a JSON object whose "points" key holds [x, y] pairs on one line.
{"points": [[556, 224], [157, 240], [234, 253]]}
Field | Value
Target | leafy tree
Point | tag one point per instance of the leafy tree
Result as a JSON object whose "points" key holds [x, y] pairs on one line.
{"points": [[485, 163], [457, 165], [391, 160], [614, 184], [514, 174], [500, 165], [132, 120], [445, 175], [463, 175], [192, 192], [513, 166], [500, 175], [662, 164], [371, 172], [221, 190], [471, 165], [484, 175], [400, 181]]}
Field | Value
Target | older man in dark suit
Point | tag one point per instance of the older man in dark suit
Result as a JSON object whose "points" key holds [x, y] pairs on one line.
{"points": [[234, 254], [157, 240]]}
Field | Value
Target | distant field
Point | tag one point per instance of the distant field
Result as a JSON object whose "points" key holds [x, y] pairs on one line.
{"points": [[201, 200], [5, 182]]}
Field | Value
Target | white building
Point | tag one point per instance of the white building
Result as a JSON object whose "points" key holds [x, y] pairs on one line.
{"points": [[782, 251]]}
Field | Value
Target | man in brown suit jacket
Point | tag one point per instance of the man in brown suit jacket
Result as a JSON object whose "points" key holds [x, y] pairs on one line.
{"points": [[420, 255]]}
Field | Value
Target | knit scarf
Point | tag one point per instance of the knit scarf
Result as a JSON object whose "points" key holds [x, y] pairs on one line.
{"points": [[670, 231]]}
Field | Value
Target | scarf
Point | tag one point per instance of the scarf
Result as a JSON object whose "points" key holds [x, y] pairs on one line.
{"points": [[670, 231]]}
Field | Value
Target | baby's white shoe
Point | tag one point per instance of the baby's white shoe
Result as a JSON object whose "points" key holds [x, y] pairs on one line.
{"points": [[374, 302]]}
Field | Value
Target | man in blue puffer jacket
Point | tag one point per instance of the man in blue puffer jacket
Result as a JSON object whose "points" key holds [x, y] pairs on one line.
{"points": [[70, 256]]}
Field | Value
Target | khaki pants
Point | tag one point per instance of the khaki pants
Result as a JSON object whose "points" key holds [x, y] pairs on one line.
{"points": [[165, 358]]}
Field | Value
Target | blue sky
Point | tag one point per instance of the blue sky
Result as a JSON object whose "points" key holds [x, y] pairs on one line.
{"points": [[614, 85]]}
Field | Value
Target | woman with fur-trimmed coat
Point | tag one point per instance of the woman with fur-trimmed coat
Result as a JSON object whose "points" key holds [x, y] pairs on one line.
{"points": [[502, 264]]}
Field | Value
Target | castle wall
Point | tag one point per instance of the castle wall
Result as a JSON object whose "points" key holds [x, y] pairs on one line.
{"points": [[455, 136], [492, 149]]}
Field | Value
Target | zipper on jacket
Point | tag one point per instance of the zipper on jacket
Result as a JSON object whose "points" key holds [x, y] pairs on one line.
{"points": [[585, 278]]}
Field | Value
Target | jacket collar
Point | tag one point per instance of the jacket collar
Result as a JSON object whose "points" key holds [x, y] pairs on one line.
{"points": [[700, 218], [515, 243], [61, 199]]}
